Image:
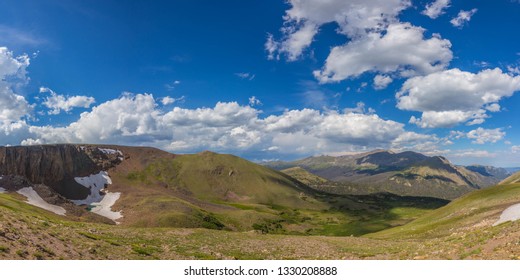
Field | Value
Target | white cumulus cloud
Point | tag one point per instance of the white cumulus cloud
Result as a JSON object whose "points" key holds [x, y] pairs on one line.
{"points": [[482, 135], [377, 40], [434, 119], [138, 119], [360, 109], [297, 39], [354, 17], [168, 100], [57, 103], [494, 107], [436, 8], [469, 95], [254, 101], [402, 49], [13, 70], [14, 108], [462, 18], [382, 81], [471, 153]]}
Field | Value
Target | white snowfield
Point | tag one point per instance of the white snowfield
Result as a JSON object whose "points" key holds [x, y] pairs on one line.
{"points": [[95, 183], [34, 199], [512, 213], [104, 207], [2, 190], [102, 203], [110, 151]]}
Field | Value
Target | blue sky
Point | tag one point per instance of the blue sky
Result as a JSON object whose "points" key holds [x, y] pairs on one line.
{"points": [[265, 79]]}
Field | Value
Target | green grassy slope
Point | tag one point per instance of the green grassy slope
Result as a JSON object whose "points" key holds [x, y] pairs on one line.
{"points": [[27, 232], [208, 190], [217, 177], [479, 209], [515, 178]]}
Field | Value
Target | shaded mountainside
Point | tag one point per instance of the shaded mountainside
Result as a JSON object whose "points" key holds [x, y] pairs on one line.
{"points": [[490, 171], [406, 173]]}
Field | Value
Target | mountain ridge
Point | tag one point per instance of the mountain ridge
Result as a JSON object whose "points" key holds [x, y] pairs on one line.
{"points": [[403, 173]]}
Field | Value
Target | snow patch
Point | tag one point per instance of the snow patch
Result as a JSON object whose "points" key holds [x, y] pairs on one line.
{"points": [[112, 152], [34, 199], [104, 207], [95, 183], [100, 199], [2, 190], [512, 213]]}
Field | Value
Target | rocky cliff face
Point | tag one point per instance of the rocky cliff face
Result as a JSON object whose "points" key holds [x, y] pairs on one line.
{"points": [[57, 165]]}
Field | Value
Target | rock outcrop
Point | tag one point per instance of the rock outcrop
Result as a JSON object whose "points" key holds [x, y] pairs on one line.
{"points": [[57, 165]]}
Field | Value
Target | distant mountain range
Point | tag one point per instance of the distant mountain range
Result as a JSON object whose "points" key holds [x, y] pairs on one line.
{"points": [[512, 169], [405, 173]]}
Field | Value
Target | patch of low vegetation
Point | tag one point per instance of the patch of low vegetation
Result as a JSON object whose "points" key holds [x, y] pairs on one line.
{"points": [[209, 221], [89, 235], [4, 249], [273, 227], [144, 249]]}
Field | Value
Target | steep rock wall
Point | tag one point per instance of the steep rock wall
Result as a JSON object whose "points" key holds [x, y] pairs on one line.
{"points": [[57, 165]]}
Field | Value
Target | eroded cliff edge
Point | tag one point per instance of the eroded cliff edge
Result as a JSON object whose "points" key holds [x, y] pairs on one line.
{"points": [[57, 165]]}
